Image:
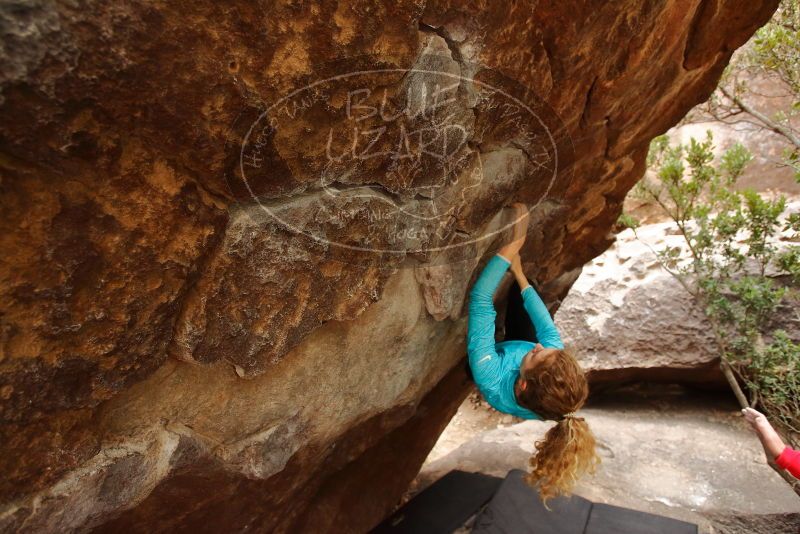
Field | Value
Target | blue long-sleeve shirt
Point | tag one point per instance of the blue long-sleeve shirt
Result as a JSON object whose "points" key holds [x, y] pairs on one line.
{"points": [[495, 366]]}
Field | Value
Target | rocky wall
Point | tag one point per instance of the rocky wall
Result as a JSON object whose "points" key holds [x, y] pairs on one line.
{"points": [[208, 317]]}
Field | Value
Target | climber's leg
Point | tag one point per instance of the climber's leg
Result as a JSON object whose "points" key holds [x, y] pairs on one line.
{"points": [[518, 323]]}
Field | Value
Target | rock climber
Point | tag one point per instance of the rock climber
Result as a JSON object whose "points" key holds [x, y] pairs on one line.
{"points": [[784, 456], [530, 374]]}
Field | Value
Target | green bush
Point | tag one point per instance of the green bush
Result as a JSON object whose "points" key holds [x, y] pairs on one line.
{"points": [[734, 271]]}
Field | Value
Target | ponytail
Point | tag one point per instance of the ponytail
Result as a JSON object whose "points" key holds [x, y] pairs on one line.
{"points": [[565, 454], [557, 386]]}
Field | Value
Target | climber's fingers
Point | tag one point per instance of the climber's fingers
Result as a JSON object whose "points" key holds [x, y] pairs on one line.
{"points": [[521, 219], [519, 232]]}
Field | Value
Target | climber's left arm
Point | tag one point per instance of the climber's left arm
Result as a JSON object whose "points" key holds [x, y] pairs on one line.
{"points": [[546, 332], [483, 358]]}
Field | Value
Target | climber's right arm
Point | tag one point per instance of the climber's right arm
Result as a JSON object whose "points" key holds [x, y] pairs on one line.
{"points": [[483, 358]]}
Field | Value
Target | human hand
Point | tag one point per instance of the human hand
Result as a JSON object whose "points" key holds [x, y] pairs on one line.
{"points": [[520, 230], [756, 419], [771, 441]]}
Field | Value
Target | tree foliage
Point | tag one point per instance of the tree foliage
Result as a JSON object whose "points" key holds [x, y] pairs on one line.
{"points": [[733, 266], [772, 54]]}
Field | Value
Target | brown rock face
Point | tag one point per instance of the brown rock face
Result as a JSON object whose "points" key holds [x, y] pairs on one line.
{"points": [[237, 236]]}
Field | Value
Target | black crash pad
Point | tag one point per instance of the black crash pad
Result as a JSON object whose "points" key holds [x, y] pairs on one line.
{"points": [[443, 506], [516, 508], [607, 519]]}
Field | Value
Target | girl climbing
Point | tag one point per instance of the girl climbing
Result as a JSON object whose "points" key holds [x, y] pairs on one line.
{"points": [[529, 374]]}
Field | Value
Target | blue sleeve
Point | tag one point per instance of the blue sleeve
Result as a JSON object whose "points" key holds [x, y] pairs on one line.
{"points": [[483, 358], [546, 331]]}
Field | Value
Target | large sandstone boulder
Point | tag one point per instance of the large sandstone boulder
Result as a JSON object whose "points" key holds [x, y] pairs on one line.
{"points": [[206, 320], [628, 320]]}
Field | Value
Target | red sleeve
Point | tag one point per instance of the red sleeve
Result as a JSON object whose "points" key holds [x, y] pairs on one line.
{"points": [[790, 460]]}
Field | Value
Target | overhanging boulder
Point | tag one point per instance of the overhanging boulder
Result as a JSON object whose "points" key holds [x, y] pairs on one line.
{"points": [[182, 344]]}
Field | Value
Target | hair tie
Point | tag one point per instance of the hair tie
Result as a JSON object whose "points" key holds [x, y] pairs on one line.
{"points": [[570, 414]]}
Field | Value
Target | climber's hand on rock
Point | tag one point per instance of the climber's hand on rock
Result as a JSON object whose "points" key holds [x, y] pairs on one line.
{"points": [[520, 230]]}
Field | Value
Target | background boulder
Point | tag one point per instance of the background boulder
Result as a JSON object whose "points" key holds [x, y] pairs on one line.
{"points": [[628, 320]]}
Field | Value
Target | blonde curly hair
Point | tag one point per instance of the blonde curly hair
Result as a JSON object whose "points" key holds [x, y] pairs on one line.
{"points": [[555, 389]]}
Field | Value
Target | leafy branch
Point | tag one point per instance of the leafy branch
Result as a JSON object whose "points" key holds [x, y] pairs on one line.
{"points": [[733, 269]]}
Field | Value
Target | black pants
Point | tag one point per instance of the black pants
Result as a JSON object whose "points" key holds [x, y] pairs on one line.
{"points": [[518, 325]]}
